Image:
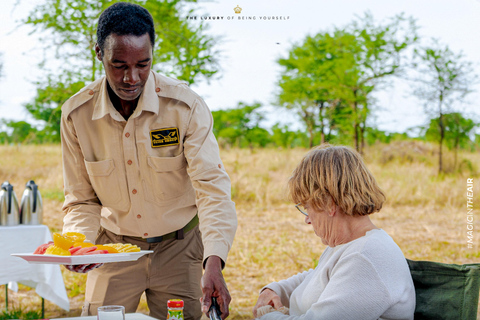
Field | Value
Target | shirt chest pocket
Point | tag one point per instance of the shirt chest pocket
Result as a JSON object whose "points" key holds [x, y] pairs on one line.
{"points": [[166, 178], [105, 180]]}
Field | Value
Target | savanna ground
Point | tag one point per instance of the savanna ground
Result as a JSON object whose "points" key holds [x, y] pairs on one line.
{"points": [[425, 214]]}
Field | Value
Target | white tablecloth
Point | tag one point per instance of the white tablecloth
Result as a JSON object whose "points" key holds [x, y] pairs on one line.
{"points": [[128, 316], [45, 278]]}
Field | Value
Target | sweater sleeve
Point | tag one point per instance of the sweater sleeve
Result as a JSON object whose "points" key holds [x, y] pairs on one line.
{"points": [[284, 288], [355, 291]]}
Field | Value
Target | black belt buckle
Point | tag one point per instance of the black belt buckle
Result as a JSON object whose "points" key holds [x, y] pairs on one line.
{"points": [[155, 239]]}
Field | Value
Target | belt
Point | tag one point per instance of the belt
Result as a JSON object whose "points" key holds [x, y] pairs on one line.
{"points": [[179, 234]]}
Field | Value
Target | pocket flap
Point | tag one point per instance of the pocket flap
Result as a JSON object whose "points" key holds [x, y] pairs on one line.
{"points": [[100, 168], [166, 164]]}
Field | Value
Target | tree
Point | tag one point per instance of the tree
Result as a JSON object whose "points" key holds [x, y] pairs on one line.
{"points": [[21, 131], [283, 137], [68, 28], [240, 126], [443, 78], [311, 79], [381, 54], [334, 73], [457, 131]]}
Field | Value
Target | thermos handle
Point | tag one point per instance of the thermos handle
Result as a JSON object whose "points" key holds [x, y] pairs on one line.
{"points": [[10, 190], [32, 186], [35, 187]]}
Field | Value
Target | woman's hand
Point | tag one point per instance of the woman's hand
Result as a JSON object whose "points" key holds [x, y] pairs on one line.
{"points": [[267, 297]]}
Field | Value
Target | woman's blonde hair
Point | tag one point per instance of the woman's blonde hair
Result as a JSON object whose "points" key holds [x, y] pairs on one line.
{"points": [[336, 173]]}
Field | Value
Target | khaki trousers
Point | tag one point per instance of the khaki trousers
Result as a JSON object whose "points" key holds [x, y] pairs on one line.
{"points": [[172, 271]]}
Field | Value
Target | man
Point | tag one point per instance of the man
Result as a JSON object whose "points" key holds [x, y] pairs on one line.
{"points": [[142, 166]]}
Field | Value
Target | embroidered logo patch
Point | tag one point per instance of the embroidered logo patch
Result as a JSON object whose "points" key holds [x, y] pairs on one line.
{"points": [[164, 137]]}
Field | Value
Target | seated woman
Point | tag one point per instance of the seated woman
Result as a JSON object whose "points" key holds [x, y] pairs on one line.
{"points": [[362, 274]]}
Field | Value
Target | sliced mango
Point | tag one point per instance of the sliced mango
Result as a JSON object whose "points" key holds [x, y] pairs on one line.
{"points": [[108, 248], [75, 236], [62, 241], [83, 244], [57, 251]]}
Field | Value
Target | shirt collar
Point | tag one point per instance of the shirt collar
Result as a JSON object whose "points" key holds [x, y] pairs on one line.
{"points": [[148, 101]]}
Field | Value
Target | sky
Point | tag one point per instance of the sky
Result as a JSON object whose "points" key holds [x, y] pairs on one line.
{"points": [[251, 46]]}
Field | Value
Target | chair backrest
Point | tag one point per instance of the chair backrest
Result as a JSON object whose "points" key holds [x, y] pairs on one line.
{"points": [[445, 291]]}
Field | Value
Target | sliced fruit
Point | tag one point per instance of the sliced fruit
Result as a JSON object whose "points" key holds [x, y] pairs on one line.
{"points": [[43, 247], [75, 236], [123, 247], [74, 249], [83, 244], [57, 251], [108, 248], [84, 251], [62, 241]]}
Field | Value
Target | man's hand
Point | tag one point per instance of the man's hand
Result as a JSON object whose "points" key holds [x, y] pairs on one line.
{"points": [[267, 297], [213, 285], [83, 268]]}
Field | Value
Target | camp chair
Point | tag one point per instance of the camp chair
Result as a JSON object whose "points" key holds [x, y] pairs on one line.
{"points": [[445, 291]]}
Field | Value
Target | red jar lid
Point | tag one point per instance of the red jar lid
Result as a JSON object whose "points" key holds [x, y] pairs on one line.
{"points": [[175, 303]]}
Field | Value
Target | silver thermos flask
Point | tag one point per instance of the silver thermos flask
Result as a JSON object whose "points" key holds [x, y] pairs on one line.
{"points": [[31, 206], [9, 214]]}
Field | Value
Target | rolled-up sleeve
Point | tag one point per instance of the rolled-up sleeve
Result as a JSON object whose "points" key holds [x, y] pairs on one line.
{"points": [[82, 207], [216, 210]]}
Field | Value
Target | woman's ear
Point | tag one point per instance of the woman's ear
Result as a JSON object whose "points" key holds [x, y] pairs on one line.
{"points": [[333, 210]]}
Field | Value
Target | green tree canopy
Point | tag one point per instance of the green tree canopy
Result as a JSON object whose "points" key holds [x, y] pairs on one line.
{"points": [[457, 132], [334, 73], [240, 126], [183, 49], [444, 78]]}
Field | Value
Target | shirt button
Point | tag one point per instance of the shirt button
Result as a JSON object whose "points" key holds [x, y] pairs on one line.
{"points": [[157, 89], [139, 216], [134, 191], [90, 92], [127, 134], [145, 234], [220, 166], [129, 162]]}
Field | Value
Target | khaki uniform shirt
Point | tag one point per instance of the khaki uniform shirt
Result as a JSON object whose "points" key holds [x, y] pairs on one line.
{"points": [[147, 176]]}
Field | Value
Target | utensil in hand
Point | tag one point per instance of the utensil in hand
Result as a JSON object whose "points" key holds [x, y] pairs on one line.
{"points": [[214, 311]]}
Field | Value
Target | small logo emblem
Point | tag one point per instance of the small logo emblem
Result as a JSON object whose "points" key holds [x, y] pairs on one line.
{"points": [[237, 9], [164, 137]]}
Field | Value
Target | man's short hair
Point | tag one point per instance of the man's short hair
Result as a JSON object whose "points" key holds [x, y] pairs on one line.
{"points": [[122, 19], [337, 175]]}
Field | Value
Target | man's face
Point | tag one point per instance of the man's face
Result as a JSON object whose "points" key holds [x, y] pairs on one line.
{"points": [[127, 60]]}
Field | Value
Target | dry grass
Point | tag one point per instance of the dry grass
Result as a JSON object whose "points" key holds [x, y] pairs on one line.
{"points": [[424, 213]]}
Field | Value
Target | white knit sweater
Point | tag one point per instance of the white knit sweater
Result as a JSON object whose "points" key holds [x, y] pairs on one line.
{"points": [[365, 279]]}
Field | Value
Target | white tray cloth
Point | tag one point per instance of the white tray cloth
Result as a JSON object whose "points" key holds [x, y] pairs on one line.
{"points": [[128, 316], [46, 279]]}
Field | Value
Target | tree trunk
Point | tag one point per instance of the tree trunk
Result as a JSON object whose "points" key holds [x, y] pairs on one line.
{"points": [[442, 134], [362, 136], [322, 124], [310, 133], [456, 152], [355, 118]]}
